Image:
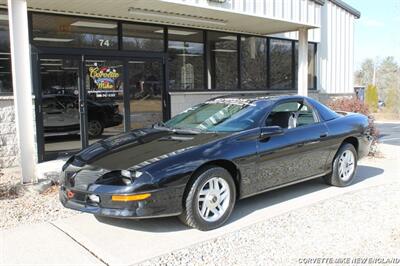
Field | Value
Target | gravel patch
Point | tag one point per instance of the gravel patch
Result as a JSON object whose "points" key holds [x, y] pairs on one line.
{"points": [[363, 224], [20, 205]]}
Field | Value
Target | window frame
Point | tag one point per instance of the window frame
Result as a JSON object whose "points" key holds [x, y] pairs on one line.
{"points": [[207, 87], [205, 75], [8, 54], [208, 55], [267, 61], [292, 65], [316, 115], [117, 22], [121, 36]]}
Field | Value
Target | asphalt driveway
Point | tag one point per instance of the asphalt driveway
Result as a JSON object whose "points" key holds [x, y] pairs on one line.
{"points": [[89, 240], [389, 133]]}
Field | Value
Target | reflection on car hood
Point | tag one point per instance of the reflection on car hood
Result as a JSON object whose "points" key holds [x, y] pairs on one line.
{"points": [[140, 147]]}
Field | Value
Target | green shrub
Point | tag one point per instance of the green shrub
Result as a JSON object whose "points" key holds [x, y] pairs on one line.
{"points": [[371, 98], [393, 101]]}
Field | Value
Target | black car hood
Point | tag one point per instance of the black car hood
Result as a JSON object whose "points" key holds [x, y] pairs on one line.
{"points": [[130, 149]]}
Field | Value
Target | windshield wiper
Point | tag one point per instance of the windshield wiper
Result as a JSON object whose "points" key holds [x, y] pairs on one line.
{"points": [[192, 131], [177, 130], [161, 125]]}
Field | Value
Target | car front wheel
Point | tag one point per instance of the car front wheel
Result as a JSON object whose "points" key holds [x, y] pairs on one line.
{"points": [[344, 166], [210, 199], [95, 128]]}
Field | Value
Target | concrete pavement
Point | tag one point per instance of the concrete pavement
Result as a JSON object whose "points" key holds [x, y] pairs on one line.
{"points": [[83, 239], [42, 244]]}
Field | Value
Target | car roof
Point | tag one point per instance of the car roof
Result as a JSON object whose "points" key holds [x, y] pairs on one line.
{"points": [[257, 97]]}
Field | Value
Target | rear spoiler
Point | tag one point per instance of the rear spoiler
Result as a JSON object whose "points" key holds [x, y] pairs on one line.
{"points": [[343, 112]]}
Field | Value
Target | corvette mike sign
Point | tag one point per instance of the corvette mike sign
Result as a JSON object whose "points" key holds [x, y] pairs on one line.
{"points": [[106, 81]]}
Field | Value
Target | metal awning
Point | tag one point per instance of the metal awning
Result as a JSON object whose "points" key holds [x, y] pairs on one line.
{"points": [[167, 12]]}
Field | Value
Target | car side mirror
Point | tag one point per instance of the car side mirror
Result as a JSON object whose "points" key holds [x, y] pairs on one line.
{"points": [[270, 131]]}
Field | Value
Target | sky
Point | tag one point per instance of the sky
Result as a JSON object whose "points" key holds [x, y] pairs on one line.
{"points": [[377, 32]]}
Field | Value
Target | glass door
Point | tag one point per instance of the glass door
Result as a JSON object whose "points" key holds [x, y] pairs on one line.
{"points": [[58, 106], [146, 92], [104, 97], [82, 100]]}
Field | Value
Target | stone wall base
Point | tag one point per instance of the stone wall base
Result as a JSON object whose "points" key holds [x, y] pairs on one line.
{"points": [[8, 139]]}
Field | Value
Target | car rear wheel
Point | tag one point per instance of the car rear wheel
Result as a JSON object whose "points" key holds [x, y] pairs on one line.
{"points": [[210, 199], [344, 166], [95, 128]]}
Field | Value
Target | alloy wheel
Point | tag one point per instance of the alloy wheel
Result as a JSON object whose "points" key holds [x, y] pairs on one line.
{"points": [[346, 165], [94, 128], [213, 199]]}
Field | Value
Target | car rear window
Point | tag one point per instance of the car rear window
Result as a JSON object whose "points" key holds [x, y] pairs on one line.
{"points": [[325, 112]]}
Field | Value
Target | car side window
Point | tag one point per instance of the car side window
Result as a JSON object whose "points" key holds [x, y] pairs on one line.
{"points": [[306, 116], [51, 104], [68, 102], [291, 115]]}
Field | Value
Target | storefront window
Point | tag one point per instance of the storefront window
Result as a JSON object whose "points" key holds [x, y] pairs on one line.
{"points": [[142, 38], [5, 74], [5, 58], [145, 83], [281, 64], [186, 59], [4, 33], [67, 31], [311, 64], [253, 63], [223, 54]]}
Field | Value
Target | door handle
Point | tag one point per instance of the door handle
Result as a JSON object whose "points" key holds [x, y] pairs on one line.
{"points": [[323, 135]]}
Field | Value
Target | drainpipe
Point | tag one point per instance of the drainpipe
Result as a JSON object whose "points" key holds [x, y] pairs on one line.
{"points": [[302, 74], [22, 84]]}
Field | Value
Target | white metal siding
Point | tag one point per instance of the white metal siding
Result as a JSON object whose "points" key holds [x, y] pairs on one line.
{"points": [[299, 11], [335, 54]]}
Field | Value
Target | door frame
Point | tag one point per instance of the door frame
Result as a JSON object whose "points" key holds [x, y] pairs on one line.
{"points": [[82, 55], [37, 81]]}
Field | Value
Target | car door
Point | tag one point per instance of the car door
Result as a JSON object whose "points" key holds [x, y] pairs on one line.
{"points": [[297, 153], [70, 112], [52, 114]]}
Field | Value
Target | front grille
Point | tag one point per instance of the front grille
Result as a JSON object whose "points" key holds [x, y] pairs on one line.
{"points": [[80, 196]]}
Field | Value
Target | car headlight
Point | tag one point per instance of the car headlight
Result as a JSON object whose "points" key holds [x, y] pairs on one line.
{"points": [[94, 198], [131, 174], [127, 180]]}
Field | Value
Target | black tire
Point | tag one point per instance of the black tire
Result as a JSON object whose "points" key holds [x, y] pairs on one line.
{"points": [[335, 179], [95, 128], [191, 214]]}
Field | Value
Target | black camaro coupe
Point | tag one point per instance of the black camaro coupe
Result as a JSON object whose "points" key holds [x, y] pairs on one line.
{"points": [[200, 162]]}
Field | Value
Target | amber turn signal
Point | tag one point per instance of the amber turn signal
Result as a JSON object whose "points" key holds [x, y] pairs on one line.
{"points": [[130, 197]]}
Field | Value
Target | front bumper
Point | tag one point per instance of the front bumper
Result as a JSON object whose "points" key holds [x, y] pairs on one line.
{"points": [[364, 145], [162, 202], [114, 120]]}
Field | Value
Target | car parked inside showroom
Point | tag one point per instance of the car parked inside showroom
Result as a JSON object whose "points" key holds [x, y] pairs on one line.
{"points": [[61, 115], [199, 163]]}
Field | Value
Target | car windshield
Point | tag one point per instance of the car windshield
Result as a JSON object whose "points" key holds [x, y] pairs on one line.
{"points": [[220, 115]]}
